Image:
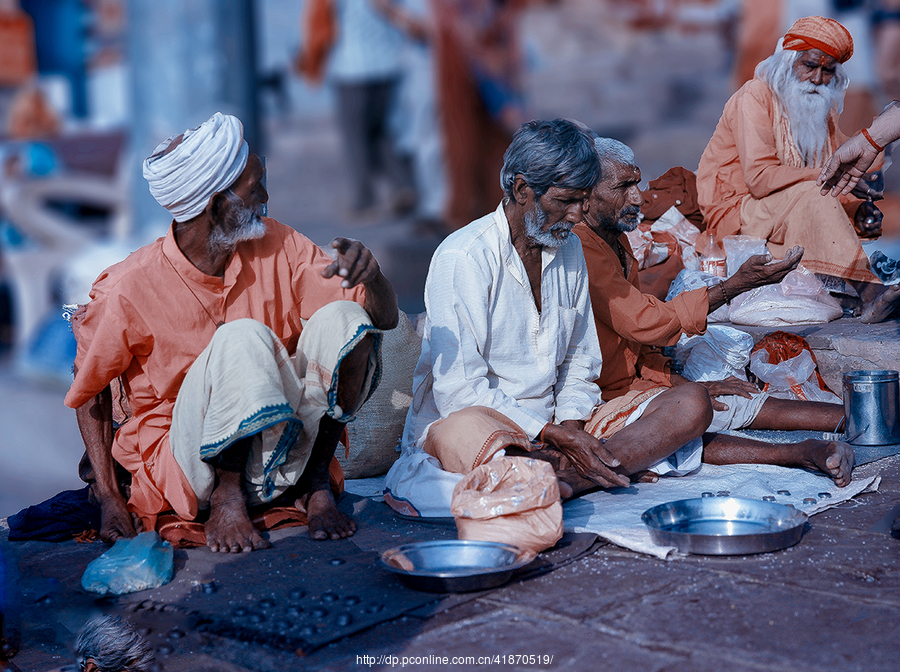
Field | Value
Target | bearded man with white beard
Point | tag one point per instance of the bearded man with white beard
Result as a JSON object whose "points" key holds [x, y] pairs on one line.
{"points": [[757, 175], [240, 347]]}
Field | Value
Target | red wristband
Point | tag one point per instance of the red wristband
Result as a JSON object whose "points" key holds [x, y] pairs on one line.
{"points": [[868, 137]]}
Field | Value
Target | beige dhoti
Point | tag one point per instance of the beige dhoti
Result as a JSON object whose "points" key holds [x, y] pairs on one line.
{"points": [[800, 215], [246, 384]]}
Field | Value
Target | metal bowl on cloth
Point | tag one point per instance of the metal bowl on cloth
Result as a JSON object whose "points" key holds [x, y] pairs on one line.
{"points": [[724, 525], [454, 566]]}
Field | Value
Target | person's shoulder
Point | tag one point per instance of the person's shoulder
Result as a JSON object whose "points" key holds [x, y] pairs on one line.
{"points": [[482, 234], [755, 89], [130, 271]]}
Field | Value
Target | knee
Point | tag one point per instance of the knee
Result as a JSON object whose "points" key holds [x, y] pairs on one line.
{"points": [[243, 334], [694, 403]]}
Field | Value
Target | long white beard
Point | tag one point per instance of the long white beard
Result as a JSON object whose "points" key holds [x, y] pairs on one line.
{"points": [[807, 107]]}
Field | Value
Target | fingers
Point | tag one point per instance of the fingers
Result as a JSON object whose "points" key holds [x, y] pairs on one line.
{"points": [[353, 262], [717, 405]]}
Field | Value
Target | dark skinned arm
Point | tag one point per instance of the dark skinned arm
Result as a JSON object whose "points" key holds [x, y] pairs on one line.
{"points": [[96, 426], [757, 271]]}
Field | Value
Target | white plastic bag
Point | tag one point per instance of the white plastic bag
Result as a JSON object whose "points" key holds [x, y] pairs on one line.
{"points": [[800, 298], [719, 353], [740, 248], [688, 280], [794, 378]]}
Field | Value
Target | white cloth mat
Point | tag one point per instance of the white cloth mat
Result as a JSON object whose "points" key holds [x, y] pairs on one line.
{"points": [[615, 514]]}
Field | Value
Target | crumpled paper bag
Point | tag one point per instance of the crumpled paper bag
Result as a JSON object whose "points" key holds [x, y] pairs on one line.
{"points": [[512, 500]]}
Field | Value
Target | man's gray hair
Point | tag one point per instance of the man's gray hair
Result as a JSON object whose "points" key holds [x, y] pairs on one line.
{"points": [[114, 646], [612, 152], [550, 154]]}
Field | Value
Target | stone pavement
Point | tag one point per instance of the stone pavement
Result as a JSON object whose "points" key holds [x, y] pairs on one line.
{"points": [[832, 602]]}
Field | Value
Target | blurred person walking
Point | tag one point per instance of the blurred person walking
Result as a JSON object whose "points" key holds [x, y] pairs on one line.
{"points": [[364, 52], [480, 96], [415, 116]]}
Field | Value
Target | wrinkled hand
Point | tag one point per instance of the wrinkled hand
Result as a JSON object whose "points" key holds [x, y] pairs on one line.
{"points": [[729, 386], [588, 455], [761, 270], [846, 166], [115, 520], [867, 220], [353, 261]]}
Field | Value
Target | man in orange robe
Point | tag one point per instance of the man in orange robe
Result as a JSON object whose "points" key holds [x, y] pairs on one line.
{"points": [[241, 347], [757, 176], [641, 392]]}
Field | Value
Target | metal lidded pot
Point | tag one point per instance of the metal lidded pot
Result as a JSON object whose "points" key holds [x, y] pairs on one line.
{"points": [[871, 407]]}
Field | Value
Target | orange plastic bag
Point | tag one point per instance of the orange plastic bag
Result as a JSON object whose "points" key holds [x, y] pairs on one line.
{"points": [[513, 500]]}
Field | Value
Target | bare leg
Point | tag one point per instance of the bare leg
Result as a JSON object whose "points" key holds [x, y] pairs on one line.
{"points": [[833, 458], [326, 521], [792, 414], [671, 419]]}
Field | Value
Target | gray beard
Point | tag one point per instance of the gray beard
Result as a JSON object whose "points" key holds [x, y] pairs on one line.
{"points": [[535, 220], [622, 225], [240, 224]]}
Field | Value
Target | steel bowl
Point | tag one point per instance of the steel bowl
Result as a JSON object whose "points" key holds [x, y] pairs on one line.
{"points": [[724, 525], [454, 566]]}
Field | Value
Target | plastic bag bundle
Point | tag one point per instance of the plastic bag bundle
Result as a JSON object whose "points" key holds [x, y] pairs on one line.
{"points": [[800, 298], [688, 280], [787, 366], [719, 353], [139, 563], [512, 500]]}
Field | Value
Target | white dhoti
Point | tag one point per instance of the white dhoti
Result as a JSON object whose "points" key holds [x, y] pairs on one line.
{"points": [[246, 384]]}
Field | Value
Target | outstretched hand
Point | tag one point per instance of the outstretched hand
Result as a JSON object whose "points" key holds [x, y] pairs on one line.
{"points": [[846, 166], [587, 454], [353, 262], [731, 386], [761, 270]]}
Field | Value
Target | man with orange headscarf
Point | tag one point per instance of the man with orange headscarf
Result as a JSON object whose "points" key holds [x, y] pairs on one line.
{"points": [[757, 176]]}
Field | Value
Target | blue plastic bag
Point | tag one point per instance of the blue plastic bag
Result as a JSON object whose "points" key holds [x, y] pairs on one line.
{"points": [[140, 563]]}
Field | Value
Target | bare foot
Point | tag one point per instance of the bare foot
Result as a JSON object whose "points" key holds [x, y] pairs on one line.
{"points": [[326, 521], [833, 458], [879, 309], [229, 529]]}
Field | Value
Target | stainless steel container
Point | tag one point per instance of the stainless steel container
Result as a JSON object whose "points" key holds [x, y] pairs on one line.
{"points": [[871, 407]]}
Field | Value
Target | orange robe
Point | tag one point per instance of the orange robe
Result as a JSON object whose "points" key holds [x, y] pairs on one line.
{"points": [[151, 315], [751, 181], [630, 323]]}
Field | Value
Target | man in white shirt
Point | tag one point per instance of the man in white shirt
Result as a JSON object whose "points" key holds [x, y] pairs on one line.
{"points": [[510, 348]]}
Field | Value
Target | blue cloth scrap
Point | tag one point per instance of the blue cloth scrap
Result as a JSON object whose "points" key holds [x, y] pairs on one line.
{"points": [[57, 519]]}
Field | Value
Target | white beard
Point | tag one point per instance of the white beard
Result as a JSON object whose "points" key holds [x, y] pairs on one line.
{"points": [[807, 107]]}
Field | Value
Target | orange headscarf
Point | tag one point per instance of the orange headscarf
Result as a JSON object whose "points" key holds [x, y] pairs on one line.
{"points": [[817, 32]]}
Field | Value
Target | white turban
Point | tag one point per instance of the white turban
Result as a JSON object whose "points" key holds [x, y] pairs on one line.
{"points": [[208, 159]]}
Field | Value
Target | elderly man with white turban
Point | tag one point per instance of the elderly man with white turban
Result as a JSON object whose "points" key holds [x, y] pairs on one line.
{"points": [[241, 348], [757, 176]]}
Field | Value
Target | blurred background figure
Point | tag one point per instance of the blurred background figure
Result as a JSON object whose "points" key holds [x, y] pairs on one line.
{"points": [[364, 67], [479, 74], [415, 121]]}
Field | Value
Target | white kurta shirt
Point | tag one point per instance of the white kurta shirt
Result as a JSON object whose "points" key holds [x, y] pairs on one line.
{"points": [[486, 344]]}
